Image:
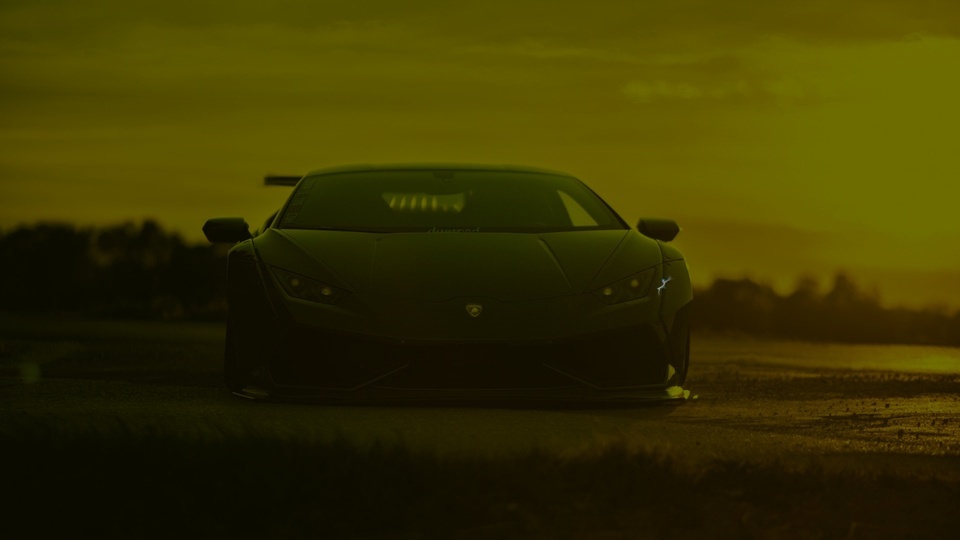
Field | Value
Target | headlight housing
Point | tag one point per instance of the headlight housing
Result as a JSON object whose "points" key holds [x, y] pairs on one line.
{"points": [[628, 288], [305, 288]]}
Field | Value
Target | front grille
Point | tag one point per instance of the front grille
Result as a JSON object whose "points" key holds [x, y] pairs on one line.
{"points": [[631, 357], [312, 358], [474, 366]]}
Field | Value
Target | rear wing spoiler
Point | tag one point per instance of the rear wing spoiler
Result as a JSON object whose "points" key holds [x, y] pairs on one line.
{"points": [[274, 180]]}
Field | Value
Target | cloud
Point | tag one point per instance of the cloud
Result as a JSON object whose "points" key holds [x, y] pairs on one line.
{"points": [[538, 49], [762, 91], [605, 24], [647, 91]]}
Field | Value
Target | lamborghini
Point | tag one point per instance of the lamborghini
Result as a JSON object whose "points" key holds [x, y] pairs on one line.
{"points": [[453, 282]]}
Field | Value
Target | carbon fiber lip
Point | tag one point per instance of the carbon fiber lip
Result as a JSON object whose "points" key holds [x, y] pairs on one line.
{"points": [[373, 395]]}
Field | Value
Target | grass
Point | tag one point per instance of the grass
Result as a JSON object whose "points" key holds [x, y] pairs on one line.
{"points": [[127, 484]]}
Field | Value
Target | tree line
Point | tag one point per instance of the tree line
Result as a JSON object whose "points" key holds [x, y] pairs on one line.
{"points": [[128, 270], [844, 313], [142, 271]]}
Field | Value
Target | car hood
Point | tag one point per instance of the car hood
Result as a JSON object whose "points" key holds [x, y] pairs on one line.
{"points": [[436, 267]]}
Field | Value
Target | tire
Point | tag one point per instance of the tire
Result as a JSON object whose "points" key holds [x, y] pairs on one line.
{"points": [[682, 371], [232, 374]]}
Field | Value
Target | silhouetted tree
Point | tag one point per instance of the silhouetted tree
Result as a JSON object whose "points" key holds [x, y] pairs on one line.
{"points": [[121, 270], [797, 315], [46, 268], [845, 313], [740, 305]]}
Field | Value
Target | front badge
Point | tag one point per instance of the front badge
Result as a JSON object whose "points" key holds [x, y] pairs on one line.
{"points": [[474, 310]]}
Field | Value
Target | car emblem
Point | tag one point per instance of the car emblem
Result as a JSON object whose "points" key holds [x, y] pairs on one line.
{"points": [[474, 310]]}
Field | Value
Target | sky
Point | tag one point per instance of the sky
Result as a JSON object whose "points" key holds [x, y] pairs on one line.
{"points": [[787, 138]]}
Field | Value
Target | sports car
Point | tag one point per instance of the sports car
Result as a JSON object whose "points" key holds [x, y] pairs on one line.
{"points": [[453, 282]]}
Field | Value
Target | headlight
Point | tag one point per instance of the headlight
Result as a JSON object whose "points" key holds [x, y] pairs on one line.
{"points": [[305, 288], [628, 288]]}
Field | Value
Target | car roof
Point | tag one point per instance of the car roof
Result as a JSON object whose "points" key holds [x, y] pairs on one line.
{"points": [[435, 167]]}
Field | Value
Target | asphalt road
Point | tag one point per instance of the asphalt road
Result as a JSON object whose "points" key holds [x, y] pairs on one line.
{"points": [[751, 401]]}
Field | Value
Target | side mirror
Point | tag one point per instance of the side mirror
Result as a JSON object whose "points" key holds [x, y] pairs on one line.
{"points": [[228, 229], [659, 229]]}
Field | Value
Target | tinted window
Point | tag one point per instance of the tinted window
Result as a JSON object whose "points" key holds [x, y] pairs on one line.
{"points": [[446, 201]]}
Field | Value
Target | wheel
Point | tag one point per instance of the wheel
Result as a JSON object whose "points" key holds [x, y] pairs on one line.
{"points": [[232, 374], [682, 370], [678, 346]]}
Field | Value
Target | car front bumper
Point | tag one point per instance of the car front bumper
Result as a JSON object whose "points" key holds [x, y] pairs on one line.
{"points": [[626, 364]]}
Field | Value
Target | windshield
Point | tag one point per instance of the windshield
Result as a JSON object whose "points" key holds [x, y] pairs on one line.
{"points": [[446, 201]]}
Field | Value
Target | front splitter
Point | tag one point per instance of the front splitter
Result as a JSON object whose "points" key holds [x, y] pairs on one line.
{"points": [[436, 396]]}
